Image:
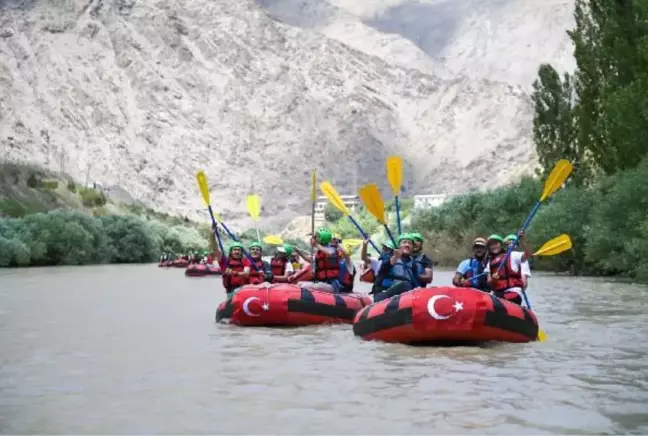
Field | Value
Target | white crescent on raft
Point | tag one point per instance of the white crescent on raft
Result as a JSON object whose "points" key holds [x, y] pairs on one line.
{"points": [[246, 306], [430, 307]]}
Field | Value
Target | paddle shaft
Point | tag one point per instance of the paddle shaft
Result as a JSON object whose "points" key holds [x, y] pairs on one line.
{"points": [[398, 220], [313, 184], [364, 235], [211, 214]]}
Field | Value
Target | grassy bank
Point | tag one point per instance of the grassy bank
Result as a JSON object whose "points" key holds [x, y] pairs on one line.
{"points": [[608, 224], [49, 219]]}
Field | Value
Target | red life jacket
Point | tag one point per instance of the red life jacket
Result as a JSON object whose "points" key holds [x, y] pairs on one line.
{"points": [[232, 282], [327, 266], [278, 266], [368, 276], [348, 280], [257, 275], [507, 277]]}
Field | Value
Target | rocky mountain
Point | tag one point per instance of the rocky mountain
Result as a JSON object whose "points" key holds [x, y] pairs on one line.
{"points": [[141, 95]]}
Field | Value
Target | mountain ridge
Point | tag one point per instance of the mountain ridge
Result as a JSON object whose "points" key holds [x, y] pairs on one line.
{"points": [[144, 95]]}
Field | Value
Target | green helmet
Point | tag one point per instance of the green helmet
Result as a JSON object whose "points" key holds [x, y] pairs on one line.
{"points": [[405, 237], [495, 237], [324, 235], [417, 236], [288, 249], [235, 245], [389, 244], [510, 237], [255, 244]]}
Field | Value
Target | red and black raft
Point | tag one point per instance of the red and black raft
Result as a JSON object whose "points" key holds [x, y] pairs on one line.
{"points": [[284, 304], [445, 315], [201, 270]]}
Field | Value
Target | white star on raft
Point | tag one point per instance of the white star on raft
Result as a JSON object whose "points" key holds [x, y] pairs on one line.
{"points": [[458, 306], [265, 306]]}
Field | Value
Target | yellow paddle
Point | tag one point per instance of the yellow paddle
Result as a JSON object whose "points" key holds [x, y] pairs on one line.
{"points": [[395, 177], [557, 245], [273, 240], [201, 178], [329, 191], [370, 195], [254, 209], [350, 244], [204, 190]]}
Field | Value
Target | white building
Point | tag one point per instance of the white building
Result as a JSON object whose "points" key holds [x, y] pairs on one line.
{"points": [[351, 201], [429, 201]]}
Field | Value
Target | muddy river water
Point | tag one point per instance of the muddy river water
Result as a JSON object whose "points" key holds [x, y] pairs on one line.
{"points": [[135, 350]]}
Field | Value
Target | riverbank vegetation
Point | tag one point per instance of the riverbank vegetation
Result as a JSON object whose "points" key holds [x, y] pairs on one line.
{"points": [[598, 119], [47, 218], [75, 238]]}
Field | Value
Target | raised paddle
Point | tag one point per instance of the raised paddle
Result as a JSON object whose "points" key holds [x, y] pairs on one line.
{"points": [[204, 190], [201, 178], [254, 209], [329, 191], [395, 177], [554, 182], [370, 195], [273, 240]]}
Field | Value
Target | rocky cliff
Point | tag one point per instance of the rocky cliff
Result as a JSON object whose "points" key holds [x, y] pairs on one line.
{"points": [[143, 94]]}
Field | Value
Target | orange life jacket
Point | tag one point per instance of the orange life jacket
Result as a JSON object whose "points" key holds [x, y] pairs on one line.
{"points": [[507, 277], [327, 266], [232, 282], [368, 276]]}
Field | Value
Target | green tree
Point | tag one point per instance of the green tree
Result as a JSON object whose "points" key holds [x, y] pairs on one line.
{"points": [[611, 50], [554, 123], [331, 214]]}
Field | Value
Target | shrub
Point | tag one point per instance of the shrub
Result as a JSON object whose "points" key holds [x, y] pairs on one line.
{"points": [[50, 185], [91, 197], [74, 238], [71, 186]]}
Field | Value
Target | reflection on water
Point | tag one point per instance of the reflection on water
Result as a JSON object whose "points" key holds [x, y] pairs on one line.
{"points": [[134, 349]]}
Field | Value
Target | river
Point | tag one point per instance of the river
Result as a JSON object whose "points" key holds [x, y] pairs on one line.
{"points": [[135, 350]]}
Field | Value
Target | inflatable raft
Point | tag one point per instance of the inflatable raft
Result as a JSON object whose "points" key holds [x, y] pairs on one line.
{"points": [[200, 270], [284, 304], [445, 314]]}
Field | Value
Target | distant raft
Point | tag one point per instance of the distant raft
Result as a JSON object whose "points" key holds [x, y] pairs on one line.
{"points": [[445, 314], [177, 263], [201, 270], [285, 304]]}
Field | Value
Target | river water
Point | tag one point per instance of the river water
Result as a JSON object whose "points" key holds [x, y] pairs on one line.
{"points": [[135, 350]]}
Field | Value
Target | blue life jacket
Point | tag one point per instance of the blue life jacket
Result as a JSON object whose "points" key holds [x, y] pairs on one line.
{"points": [[477, 267], [404, 270]]}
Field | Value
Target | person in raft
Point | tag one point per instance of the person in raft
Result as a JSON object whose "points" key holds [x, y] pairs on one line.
{"points": [[280, 264], [507, 284], [259, 271], [472, 267], [330, 273], [347, 275], [526, 269], [423, 263], [236, 268], [398, 273], [371, 266]]}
